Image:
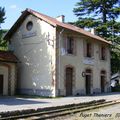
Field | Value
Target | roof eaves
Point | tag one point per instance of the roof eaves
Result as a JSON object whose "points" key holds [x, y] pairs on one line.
{"points": [[83, 32], [42, 17], [51, 21], [22, 17], [16, 25]]}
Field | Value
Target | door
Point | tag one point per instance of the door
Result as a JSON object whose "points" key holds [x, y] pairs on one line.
{"points": [[88, 84], [88, 80], [69, 80], [103, 79], [102, 84], [1, 84]]}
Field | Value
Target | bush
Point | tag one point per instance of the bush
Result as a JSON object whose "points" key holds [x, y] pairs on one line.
{"points": [[116, 88]]}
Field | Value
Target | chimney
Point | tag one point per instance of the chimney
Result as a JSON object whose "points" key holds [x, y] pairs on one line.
{"points": [[93, 31], [61, 18]]}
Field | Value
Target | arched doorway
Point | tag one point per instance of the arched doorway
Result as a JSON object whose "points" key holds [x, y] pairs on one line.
{"points": [[4, 79], [1, 84], [88, 80], [102, 80], [69, 80]]}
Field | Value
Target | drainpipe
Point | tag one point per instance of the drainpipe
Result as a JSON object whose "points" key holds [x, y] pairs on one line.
{"points": [[59, 59]]}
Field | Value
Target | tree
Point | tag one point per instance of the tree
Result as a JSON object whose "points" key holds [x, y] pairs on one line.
{"points": [[2, 15], [3, 43], [102, 15]]}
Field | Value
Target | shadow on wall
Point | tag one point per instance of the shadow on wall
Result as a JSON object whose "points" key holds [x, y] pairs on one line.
{"points": [[36, 61], [18, 101]]}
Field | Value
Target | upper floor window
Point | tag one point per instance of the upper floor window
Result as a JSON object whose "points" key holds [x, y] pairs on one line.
{"points": [[70, 45], [103, 53], [88, 49]]}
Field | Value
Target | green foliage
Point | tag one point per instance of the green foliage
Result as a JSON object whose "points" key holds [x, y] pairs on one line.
{"points": [[3, 43], [101, 9], [116, 88], [2, 15], [102, 15]]}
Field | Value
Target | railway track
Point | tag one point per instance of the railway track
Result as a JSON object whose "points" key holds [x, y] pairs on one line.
{"points": [[49, 113]]}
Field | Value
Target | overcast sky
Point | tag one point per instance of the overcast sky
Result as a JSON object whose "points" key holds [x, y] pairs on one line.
{"points": [[51, 8]]}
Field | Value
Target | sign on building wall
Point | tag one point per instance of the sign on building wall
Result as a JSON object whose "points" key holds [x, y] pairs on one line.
{"points": [[88, 61], [30, 34]]}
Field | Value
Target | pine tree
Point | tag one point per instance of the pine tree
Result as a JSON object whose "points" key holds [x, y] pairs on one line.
{"points": [[102, 15], [2, 15], [3, 43]]}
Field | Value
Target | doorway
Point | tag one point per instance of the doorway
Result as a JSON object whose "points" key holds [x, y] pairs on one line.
{"points": [[103, 79], [88, 79], [1, 84], [69, 81]]}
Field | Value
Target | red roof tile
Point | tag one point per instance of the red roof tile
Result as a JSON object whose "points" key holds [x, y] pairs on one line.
{"points": [[7, 56], [53, 22]]}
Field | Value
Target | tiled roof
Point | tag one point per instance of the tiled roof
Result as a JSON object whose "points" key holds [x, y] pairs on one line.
{"points": [[7, 56], [53, 22]]}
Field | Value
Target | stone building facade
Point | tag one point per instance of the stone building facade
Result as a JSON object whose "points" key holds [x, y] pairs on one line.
{"points": [[58, 59]]}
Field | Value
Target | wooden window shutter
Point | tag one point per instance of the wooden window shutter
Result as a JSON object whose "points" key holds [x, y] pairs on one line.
{"points": [[70, 45]]}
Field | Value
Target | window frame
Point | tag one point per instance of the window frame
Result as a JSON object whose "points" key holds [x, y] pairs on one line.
{"points": [[70, 45], [88, 52], [88, 49], [29, 25]]}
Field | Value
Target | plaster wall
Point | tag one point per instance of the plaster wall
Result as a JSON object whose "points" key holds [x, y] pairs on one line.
{"points": [[81, 63], [35, 50]]}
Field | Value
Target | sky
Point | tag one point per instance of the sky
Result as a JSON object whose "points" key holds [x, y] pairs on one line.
{"points": [[51, 8]]}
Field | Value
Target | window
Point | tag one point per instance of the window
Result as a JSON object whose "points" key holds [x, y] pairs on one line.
{"points": [[103, 53], [70, 45], [88, 49], [29, 25]]}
